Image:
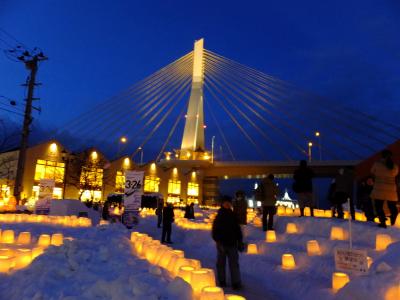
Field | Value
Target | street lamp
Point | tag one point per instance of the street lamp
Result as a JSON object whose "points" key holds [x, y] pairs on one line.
{"points": [[318, 135], [310, 144], [212, 149], [141, 155]]}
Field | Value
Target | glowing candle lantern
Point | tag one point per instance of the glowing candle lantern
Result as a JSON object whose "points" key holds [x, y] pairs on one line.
{"points": [[134, 235], [288, 262], [339, 280], [37, 251], [393, 293], [234, 297], [57, 239], [291, 228], [166, 257], [6, 263], [172, 262], [24, 238], [281, 210], [369, 261], [195, 263], [337, 233], [7, 237], [397, 222], [23, 258], [270, 236], [180, 262], [382, 241], [307, 211], [288, 211], [151, 253], [200, 279], [313, 248], [160, 253], [6, 252], [212, 293], [252, 249], [44, 240], [185, 273], [328, 213]]}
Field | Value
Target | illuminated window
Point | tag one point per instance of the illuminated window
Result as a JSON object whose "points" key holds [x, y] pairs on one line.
{"points": [[151, 184], [174, 187], [4, 192], [46, 169], [193, 189], [120, 182], [91, 178]]}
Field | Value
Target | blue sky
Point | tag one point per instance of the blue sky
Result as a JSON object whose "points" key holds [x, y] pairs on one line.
{"points": [[344, 50]]}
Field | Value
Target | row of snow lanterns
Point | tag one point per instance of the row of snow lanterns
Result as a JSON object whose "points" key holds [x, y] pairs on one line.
{"points": [[339, 279], [201, 280], [69, 221], [18, 253]]}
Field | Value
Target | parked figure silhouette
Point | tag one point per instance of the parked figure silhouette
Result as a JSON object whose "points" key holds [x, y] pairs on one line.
{"points": [[384, 191], [303, 187]]}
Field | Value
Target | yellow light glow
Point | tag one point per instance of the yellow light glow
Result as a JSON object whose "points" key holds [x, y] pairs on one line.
{"points": [[175, 171], [6, 263], [7, 236], [57, 239], [206, 157], [393, 293], [317, 133], [382, 241], [339, 280], [234, 297], [200, 279], [270, 236], [313, 248], [193, 175], [24, 238], [310, 144], [94, 155], [288, 262], [53, 147], [337, 233], [44, 240], [123, 140], [252, 249], [185, 273], [188, 154], [212, 293], [291, 228], [127, 162], [153, 167]]}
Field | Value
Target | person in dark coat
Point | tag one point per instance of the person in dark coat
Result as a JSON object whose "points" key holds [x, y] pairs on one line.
{"points": [[189, 211], [331, 197], [168, 219], [343, 191], [228, 237], [270, 192], [240, 207], [303, 187], [364, 197], [159, 211]]}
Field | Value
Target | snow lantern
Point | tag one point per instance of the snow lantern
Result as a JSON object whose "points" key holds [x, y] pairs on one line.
{"points": [[339, 280], [337, 233], [328, 213], [195, 263], [37, 251], [151, 253], [161, 251], [393, 293], [288, 211], [57, 239], [6, 263], [397, 223], [134, 235], [319, 213], [6, 252], [185, 273], [369, 261], [200, 279], [23, 257], [44, 240], [24, 238], [291, 228], [382, 241], [360, 217], [270, 236], [252, 249], [165, 258], [7, 236], [313, 248], [281, 211], [212, 293], [288, 262], [307, 211], [234, 297], [180, 262]]}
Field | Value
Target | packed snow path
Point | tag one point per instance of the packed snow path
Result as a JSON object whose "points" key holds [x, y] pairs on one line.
{"points": [[263, 277]]}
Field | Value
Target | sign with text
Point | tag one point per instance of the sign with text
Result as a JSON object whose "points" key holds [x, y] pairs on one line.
{"points": [[350, 260], [46, 187], [132, 197]]}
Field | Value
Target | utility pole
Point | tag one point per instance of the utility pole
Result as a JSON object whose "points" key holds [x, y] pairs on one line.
{"points": [[31, 61]]}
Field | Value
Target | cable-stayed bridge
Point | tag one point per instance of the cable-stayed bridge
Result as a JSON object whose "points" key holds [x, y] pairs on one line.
{"points": [[208, 113]]}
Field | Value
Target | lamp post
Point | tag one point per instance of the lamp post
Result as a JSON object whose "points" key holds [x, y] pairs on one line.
{"points": [[121, 141], [212, 149], [310, 144], [318, 135], [141, 155]]}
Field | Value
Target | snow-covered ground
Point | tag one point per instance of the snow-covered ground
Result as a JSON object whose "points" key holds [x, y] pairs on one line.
{"points": [[98, 263]]}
